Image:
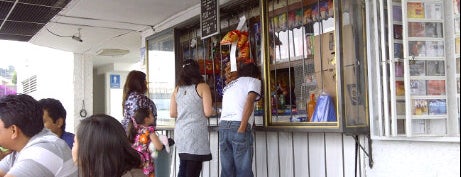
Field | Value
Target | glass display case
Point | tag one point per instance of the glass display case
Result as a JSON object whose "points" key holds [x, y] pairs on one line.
{"points": [[312, 56], [316, 66]]}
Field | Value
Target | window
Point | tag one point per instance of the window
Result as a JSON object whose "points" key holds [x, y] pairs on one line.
{"points": [[416, 90]]}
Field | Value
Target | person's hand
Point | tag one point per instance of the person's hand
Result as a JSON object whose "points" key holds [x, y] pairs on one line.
{"points": [[241, 130]]}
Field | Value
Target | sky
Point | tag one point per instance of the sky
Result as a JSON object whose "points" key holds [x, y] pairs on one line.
{"points": [[14, 52]]}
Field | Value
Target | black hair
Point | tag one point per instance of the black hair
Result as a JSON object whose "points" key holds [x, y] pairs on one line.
{"points": [[139, 116], [189, 73], [23, 111], [55, 110], [249, 70], [103, 148]]}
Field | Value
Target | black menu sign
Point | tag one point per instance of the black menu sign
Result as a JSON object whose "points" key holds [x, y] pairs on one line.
{"points": [[209, 18]]}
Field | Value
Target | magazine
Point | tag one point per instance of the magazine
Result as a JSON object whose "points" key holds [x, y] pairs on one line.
{"points": [[417, 68], [418, 87], [417, 48], [456, 6], [457, 65], [398, 32], [416, 29], [398, 53], [433, 10], [433, 29], [399, 69], [415, 10], [436, 87], [435, 68], [400, 107], [283, 22], [291, 19], [399, 88], [437, 107], [457, 46], [434, 49], [397, 13], [419, 107]]}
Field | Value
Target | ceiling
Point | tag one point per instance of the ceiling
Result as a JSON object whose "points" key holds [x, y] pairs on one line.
{"points": [[100, 24]]}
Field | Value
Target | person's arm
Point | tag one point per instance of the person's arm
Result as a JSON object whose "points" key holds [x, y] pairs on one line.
{"points": [[156, 141], [204, 91], [247, 110], [173, 106]]}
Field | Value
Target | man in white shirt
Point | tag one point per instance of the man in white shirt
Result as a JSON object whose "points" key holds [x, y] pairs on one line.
{"points": [[35, 150], [235, 126]]}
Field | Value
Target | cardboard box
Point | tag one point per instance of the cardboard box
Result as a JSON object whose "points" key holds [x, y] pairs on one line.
{"points": [[325, 63]]}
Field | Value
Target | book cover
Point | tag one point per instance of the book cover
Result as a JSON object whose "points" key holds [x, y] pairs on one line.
{"points": [[417, 48], [418, 68], [418, 87], [299, 17], [416, 29], [437, 107], [399, 88], [400, 107], [398, 50], [435, 68], [434, 49], [457, 65], [433, 10], [433, 29], [283, 21], [436, 87], [457, 46], [397, 13], [458, 85], [419, 107], [456, 6], [457, 27], [399, 69], [398, 32], [415, 10], [291, 19]]}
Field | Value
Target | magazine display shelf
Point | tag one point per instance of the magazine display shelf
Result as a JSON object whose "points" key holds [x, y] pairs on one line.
{"points": [[419, 100]]}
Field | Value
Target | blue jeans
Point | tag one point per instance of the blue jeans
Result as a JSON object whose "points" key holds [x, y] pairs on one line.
{"points": [[236, 150]]}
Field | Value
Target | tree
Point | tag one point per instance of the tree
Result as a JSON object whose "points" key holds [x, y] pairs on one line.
{"points": [[14, 79]]}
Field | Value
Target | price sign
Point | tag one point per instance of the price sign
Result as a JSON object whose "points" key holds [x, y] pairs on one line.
{"points": [[209, 18]]}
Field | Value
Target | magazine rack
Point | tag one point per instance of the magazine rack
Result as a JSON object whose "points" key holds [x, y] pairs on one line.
{"points": [[419, 100]]}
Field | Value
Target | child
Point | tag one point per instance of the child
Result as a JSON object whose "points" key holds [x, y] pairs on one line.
{"points": [[141, 134]]}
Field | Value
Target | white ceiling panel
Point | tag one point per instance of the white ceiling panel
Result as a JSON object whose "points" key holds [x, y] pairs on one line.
{"points": [[107, 24]]}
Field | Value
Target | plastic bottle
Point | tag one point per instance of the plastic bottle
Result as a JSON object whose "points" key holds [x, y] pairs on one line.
{"points": [[311, 107]]}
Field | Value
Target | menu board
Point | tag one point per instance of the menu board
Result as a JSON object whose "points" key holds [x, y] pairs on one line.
{"points": [[209, 18]]}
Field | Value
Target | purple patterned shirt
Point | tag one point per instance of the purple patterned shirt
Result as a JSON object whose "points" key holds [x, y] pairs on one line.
{"points": [[135, 101]]}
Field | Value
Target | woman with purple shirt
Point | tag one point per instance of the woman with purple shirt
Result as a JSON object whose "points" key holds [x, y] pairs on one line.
{"points": [[134, 97]]}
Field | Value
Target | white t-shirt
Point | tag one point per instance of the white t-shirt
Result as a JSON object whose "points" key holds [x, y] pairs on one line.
{"points": [[235, 95]]}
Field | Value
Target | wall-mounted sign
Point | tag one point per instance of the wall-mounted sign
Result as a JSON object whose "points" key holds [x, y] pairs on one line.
{"points": [[115, 81], [209, 18]]}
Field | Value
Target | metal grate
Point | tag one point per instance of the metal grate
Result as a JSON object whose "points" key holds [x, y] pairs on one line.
{"points": [[29, 85], [21, 21]]}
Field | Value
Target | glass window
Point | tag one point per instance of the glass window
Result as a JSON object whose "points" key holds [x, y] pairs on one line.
{"points": [[161, 74]]}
